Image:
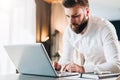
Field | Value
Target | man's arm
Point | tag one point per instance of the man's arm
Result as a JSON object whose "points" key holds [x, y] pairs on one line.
{"points": [[68, 50], [111, 52], [111, 49]]}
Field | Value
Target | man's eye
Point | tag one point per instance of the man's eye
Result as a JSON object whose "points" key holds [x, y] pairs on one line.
{"points": [[67, 16], [75, 16]]}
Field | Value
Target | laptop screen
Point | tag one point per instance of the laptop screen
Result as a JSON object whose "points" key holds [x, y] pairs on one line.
{"points": [[31, 59]]}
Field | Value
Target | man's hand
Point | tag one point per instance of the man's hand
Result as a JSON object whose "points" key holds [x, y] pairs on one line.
{"points": [[71, 67], [57, 66]]}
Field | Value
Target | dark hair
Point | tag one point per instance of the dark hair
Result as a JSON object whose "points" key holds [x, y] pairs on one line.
{"points": [[72, 3]]}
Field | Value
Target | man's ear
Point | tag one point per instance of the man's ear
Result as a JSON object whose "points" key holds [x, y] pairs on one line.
{"points": [[87, 11]]}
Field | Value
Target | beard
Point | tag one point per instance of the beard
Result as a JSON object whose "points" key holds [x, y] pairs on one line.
{"points": [[79, 28]]}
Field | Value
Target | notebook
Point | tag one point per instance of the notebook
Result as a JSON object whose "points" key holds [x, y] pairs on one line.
{"points": [[33, 59]]}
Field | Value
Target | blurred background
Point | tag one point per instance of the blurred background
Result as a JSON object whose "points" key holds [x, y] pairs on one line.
{"points": [[34, 21]]}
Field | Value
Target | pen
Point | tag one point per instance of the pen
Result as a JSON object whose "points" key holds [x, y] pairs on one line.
{"points": [[80, 75]]}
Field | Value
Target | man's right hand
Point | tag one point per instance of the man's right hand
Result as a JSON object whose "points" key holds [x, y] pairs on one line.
{"points": [[57, 66]]}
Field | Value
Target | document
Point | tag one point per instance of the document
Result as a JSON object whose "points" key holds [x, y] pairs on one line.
{"points": [[92, 75]]}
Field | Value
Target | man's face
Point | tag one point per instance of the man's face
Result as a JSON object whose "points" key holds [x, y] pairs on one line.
{"points": [[76, 16]]}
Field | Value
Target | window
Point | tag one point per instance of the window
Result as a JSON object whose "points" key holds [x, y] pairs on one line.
{"points": [[17, 25]]}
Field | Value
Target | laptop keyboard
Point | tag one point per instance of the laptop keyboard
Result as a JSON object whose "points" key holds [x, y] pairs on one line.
{"points": [[66, 73], [62, 72]]}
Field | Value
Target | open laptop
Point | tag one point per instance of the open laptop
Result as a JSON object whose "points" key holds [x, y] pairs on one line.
{"points": [[33, 59]]}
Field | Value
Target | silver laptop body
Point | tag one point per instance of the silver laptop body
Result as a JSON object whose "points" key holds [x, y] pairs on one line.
{"points": [[32, 59]]}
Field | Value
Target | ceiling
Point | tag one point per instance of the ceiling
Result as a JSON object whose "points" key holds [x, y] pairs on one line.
{"points": [[109, 9]]}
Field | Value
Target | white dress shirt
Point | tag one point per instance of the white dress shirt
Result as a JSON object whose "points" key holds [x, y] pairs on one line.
{"points": [[99, 46]]}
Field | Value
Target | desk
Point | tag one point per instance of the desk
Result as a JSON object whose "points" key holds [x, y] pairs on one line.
{"points": [[28, 77]]}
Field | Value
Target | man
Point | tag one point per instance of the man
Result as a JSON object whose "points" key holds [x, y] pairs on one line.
{"points": [[93, 37]]}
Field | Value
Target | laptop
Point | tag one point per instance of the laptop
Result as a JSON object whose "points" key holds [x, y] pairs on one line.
{"points": [[33, 59]]}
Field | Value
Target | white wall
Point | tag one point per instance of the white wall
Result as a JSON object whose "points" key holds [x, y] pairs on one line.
{"points": [[109, 9]]}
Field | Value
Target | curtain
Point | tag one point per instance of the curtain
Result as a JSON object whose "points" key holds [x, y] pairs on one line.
{"points": [[17, 26], [58, 25]]}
